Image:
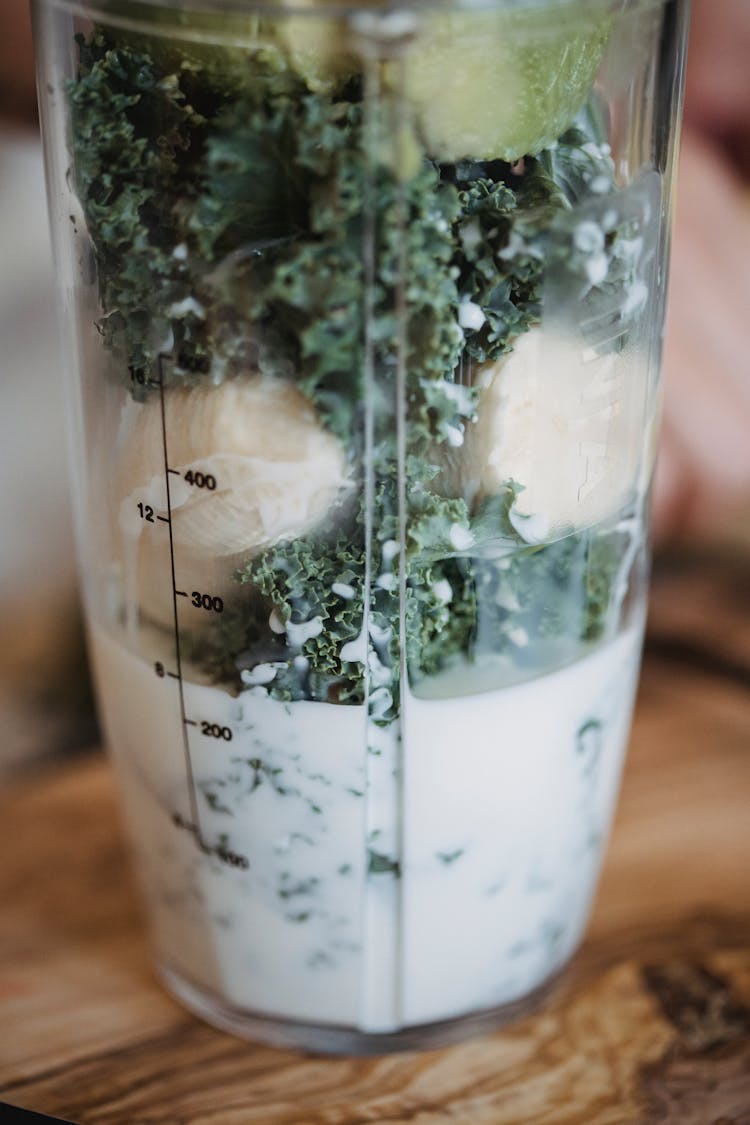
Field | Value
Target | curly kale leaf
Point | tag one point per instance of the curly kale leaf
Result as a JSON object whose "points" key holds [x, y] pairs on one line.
{"points": [[132, 132], [316, 590], [517, 224], [473, 588], [579, 164], [251, 193], [316, 295], [501, 267], [241, 232], [441, 615], [515, 599]]}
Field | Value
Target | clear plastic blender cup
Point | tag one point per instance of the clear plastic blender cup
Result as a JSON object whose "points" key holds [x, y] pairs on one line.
{"points": [[363, 312]]}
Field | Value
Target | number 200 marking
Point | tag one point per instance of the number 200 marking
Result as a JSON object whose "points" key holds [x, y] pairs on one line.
{"points": [[215, 730]]}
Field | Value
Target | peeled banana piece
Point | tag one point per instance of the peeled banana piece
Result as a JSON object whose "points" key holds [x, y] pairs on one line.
{"points": [[566, 423], [250, 465]]}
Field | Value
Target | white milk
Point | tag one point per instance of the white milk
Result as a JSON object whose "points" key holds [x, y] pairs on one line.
{"points": [[495, 835]]}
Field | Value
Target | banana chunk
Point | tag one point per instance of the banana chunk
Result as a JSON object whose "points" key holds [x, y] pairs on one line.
{"points": [[568, 424], [250, 465], [273, 470]]}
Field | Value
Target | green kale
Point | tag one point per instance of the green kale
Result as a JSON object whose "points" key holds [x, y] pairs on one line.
{"points": [[302, 580], [379, 864], [239, 234], [263, 227], [517, 224], [132, 132], [222, 647], [447, 858], [442, 614]]}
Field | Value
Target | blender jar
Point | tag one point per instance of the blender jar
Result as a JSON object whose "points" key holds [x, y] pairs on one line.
{"points": [[363, 310]]}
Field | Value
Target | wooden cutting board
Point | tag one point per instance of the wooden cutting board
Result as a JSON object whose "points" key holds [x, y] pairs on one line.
{"points": [[651, 1026]]}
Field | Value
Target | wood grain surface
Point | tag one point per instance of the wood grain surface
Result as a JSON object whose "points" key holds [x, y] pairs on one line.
{"points": [[652, 1024]]}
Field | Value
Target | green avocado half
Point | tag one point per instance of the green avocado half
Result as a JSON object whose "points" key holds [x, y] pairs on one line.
{"points": [[501, 85], [481, 83]]}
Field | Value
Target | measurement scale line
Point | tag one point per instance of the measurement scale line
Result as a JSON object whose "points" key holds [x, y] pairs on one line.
{"points": [[164, 519], [185, 743], [173, 675], [191, 722], [179, 593], [175, 472]]}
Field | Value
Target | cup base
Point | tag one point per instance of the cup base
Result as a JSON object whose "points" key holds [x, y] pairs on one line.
{"points": [[335, 1040]]}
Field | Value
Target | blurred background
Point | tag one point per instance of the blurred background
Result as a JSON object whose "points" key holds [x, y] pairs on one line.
{"points": [[45, 703], [703, 486]]}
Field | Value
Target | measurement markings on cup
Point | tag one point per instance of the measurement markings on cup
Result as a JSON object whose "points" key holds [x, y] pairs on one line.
{"points": [[211, 603], [192, 795]]}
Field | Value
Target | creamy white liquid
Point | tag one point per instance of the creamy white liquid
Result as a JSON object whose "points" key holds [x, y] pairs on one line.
{"points": [[495, 806]]}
